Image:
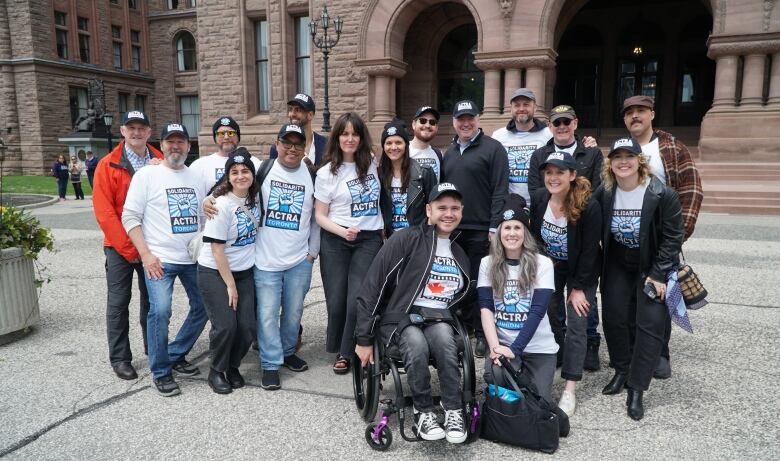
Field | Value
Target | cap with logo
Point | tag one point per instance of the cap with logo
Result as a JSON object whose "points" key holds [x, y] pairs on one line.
{"points": [[642, 101], [523, 93], [562, 160], [303, 100], [225, 121], [240, 156], [444, 188], [562, 111], [136, 116], [629, 145], [174, 129], [465, 107], [395, 128], [423, 109], [515, 208], [290, 128]]}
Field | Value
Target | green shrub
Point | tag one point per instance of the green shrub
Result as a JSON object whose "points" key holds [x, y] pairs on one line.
{"points": [[20, 229]]}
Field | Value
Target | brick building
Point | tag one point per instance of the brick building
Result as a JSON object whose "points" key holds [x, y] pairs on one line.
{"points": [[713, 65]]}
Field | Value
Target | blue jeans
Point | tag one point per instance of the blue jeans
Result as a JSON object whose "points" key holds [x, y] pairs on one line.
{"points": [[162, 356], [62, 186], [277, 331]]}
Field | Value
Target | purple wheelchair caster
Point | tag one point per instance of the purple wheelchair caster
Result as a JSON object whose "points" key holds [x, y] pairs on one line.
{"points": [[378, 435]]}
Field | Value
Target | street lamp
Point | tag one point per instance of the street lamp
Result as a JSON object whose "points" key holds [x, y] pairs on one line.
{"points": [[325, 44], [2, 159], [108, 120]]}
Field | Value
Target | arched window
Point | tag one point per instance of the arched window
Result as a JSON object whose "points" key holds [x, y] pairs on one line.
{"points": [[458, 77], [186, 56]]}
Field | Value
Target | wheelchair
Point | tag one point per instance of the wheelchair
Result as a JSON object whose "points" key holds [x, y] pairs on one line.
{"points": [[388, 364]]}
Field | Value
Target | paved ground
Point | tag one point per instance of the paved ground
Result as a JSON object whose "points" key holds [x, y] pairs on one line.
{"points": [[60, 400]]}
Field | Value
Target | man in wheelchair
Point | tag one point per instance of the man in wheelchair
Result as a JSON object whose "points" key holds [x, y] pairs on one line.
{"points": [[409, 293]]}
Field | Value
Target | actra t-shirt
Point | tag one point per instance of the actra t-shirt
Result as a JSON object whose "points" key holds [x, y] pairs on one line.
{"points": [[211, 168], [353, 201], [626, 216], [444, 280], [555, 235], [399, 204], [519, 146], [426, 157], [233, 226]]}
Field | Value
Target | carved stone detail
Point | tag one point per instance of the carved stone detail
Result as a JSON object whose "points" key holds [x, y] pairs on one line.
{"points": [[768, 5], [506, 6], [544, 59], [741, 48], [720, 21], [389, 67]]}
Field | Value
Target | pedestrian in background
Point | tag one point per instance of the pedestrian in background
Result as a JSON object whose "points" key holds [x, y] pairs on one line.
{"points": [[75, 168], [91, 164], [60, 172]]}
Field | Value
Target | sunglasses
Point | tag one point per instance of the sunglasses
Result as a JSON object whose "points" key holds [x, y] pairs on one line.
{"points": [[227, 133], [565, 121], [292, 145], [429, 121]]}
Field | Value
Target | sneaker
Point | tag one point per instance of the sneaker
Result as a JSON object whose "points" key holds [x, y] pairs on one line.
{"points": [[454, 427], [568, 403], [479, 348], [185, 368], [166, 386], [427, 427], [295, 363], [663, 370], [592, 356], [270, 380]]}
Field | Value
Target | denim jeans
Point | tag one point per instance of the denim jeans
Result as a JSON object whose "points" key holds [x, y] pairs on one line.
{"points": [[119, 278], [62, 187], [277, 330], [417, 346], [162, 356]]}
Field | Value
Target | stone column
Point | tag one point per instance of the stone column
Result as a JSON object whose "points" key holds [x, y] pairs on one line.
{"points": [[493, 103], [382, 74], [753, 81], [382, 97], [725, 83], [773, 102], [511, 83], [534, 80]]}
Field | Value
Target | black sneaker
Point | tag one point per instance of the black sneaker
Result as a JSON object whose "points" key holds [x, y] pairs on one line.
{"points": [[166, 386], [270, 380], [479, 349], [295, 363], [427, 426], [185, 368]]}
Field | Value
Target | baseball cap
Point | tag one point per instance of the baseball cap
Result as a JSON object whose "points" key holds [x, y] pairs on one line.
{"points": [[289, 128], [523, 92], [303, 100], [515, 209], [629, 145], [225, 121], [643, 101], [465, 107], [444, 188], [136, 116], [423, 109], [240, 156], [562, 160], [172, 129], [562, 111]]}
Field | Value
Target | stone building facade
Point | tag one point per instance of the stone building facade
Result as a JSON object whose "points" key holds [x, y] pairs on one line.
{"points": [[713, 65]]}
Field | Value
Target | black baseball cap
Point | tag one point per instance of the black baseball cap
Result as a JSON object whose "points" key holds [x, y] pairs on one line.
{"points": [[465, 107], [423, 109], [562, 160], [135, 116], [629, 145], [173, 129], [304, 100], [444, 188], [290, 128]]}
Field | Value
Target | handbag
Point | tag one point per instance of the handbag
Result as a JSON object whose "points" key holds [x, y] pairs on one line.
{"points": [[520, 416], [693, 290]]}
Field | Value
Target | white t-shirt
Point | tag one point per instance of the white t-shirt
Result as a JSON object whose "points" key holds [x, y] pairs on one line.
{"points": [[626, 215], [233, 226], [399, 204], [569, 149], [653, 155], [444, 280], [426, 157], [288, 198], [511, 310], [555, 235], [211, 168], [170, 202], [352, 202], [519, 147]]}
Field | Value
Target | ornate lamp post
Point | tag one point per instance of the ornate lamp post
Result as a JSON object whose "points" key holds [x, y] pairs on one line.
{"points": [[2, 159], [325, 44], [108, 120]]}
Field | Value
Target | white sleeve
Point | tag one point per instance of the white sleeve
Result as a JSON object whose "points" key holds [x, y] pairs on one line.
{"points": [[323, 185], [545, 274], [135, 201], [484, 277], [219, 227]]}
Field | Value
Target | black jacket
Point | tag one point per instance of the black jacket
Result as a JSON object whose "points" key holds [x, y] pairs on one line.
{"points": [[320, 142], [404, 262], [583, 239], [589, 164], [660, 229], [481, 174], [422, 180]]}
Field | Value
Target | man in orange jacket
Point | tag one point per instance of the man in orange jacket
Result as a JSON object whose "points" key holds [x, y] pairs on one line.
{"points": [[112, 179]]}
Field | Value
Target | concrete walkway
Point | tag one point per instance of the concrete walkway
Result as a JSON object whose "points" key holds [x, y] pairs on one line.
{"points": [[59, 398]]}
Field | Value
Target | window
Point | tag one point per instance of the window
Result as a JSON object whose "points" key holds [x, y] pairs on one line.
{"points": [[136, 56], [133, 4], [140, 102], [116, 32], [173, 4], [60, 19], [302, 55], [189, 107], [117, 48], [185, 52], [115, 2], [84, 47], [135, 36], [123, 98], [61, 34], [83, 24], [78, 103], [261, 63]]}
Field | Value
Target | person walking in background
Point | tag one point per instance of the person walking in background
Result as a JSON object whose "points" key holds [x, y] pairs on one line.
{"points": [[75, 168], [59, 170], [91, 163]]}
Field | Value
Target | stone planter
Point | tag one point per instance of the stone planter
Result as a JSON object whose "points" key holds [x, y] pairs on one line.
{"points": [[18, 295]]}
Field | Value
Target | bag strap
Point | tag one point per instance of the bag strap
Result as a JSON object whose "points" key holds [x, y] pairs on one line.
{"points": [[262, 172], [518, 379], [249, 213]]}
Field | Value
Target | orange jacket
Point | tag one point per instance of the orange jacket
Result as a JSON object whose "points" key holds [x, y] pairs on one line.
{"points": [[112, 179]]}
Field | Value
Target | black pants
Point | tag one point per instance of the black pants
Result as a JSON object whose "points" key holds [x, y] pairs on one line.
{"points": [[343, 266], [232, 332], [572, 337], [476, 245], [78, 190], [119, 278], [630, 317]]}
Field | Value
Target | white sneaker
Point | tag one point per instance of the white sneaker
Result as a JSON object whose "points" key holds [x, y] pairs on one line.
{"points": [[454, 427], [427, 426], [568, 403]]}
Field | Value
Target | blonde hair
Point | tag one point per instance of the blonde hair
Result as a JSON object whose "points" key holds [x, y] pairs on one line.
{"points": [[608, 177], [499, 269]]}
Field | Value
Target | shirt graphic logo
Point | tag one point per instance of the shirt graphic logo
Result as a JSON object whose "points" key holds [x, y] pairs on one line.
{"points": [[625, 227], [555, 241], [218, 173], [247, 232], [432, 163], [182, 209], [444, 281], [512, 309], [399, 208], [285, 204], [519, 156], [365, 196]]}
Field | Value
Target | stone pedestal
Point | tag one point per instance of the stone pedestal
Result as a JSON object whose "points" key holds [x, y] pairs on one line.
{"points": [[95, 141]]}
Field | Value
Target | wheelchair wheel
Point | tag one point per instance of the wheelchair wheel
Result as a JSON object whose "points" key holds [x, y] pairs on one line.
{"points": [[467, 360], [365, 386], [384, 440]]}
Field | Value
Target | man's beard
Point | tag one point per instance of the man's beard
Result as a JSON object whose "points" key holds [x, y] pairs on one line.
{"points": [[228, 148], [426, 136], [175, 159], [523, 119]]}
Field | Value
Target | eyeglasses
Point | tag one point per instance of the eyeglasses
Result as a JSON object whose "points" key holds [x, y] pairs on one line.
{"points": [[565, 121], [429, 121], [292, 145], [226, 133]]}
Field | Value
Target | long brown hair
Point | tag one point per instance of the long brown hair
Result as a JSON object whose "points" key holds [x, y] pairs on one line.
{"points": [[386, 169], [499, 268], [577, 199], [363, 155]]}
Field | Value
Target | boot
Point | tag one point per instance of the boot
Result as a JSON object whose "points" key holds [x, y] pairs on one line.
{"points": [[616, 385], [218, 383], [592, 355], [634, 402]]}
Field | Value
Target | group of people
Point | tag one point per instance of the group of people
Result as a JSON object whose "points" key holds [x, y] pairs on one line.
{"points": [[493, 230], [64, 171]]}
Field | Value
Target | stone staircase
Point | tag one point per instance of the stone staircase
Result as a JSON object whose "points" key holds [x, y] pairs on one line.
{"points": [[740, 188]]}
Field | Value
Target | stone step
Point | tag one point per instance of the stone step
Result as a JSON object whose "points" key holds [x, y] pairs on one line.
{"points": [[757, 209]]}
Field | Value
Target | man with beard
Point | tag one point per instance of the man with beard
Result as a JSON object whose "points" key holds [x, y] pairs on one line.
{"points": [[161, 216], [425, 126], [210, 169], [300, 111]]}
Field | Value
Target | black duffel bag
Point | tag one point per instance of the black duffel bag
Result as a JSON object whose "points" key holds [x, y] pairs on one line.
{"points": [[529, 422]]}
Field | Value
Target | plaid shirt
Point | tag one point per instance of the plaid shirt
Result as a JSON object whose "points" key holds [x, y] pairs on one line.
{"points": [[136, 161], [682, 176]]}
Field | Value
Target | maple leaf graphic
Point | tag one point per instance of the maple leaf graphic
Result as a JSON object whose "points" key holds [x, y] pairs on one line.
{"points": [[435, 287]]}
